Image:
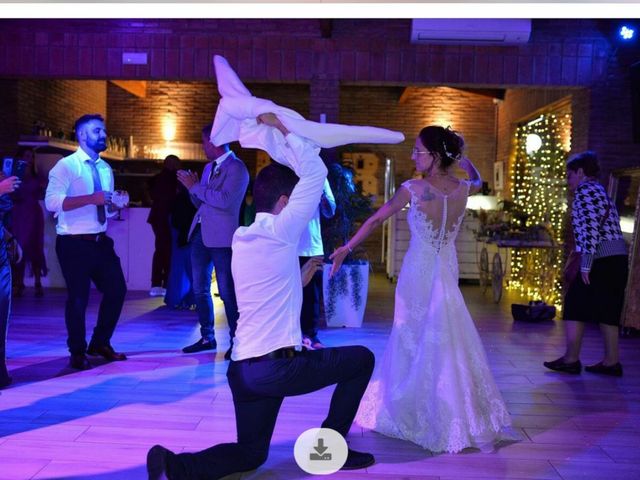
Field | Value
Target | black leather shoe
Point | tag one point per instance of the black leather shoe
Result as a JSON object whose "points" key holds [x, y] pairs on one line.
{"points": [[614, 370], [358, 460], [200, 346], [79, 361], [107, 352], [5, 381], [560, 365], [157, 462]]}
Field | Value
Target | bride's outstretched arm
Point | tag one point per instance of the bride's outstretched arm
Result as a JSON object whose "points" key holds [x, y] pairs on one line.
{"points": [[474, 175], [399, 200]]}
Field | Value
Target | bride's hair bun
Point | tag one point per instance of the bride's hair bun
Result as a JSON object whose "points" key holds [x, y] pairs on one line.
{"points": [[444, 143]]}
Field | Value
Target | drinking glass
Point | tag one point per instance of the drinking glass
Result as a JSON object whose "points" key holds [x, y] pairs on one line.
{"points": [[120, 198]]}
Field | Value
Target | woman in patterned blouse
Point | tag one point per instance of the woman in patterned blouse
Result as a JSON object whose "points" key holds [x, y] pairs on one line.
{"points": [[596, 295]]}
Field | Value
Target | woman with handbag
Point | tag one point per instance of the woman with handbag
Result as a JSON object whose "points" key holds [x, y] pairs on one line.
{"points": [[7, 185], [596, 272]]}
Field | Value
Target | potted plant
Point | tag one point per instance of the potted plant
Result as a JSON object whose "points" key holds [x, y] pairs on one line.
{"points": [[345, 294]]}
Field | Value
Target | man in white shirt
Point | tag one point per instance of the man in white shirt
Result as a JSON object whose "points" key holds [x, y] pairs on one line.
{"points": [[268, 362], [79, 194]]}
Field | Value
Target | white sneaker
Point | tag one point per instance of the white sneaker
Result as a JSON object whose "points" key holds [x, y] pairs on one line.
{"points": [[157, 292]]}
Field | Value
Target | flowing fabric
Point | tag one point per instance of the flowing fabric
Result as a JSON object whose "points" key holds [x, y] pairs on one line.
{"points": [[433, 385], [235, 119]]}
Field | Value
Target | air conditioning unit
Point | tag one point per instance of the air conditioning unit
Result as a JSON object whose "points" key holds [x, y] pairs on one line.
{"points": [[481, 31]]}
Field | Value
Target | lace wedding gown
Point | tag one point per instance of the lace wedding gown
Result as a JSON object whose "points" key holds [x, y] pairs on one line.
{"points": [[433, 385]]}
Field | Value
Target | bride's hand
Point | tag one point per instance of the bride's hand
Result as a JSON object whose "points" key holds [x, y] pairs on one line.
{"points": [[338, 257]]}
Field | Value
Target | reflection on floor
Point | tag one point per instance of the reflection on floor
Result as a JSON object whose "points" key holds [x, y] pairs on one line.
{"points": [[99, 424]]}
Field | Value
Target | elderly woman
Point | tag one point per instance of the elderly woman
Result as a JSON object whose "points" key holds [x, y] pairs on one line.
{"points": [[596, 294], [7, 185]]}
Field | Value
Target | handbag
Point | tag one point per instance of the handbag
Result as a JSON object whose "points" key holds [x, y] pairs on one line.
{"points": [[534, 311], [574, 260]]}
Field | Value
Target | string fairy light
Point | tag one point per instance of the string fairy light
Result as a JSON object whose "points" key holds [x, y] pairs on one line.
{"points": [[539, 192]]}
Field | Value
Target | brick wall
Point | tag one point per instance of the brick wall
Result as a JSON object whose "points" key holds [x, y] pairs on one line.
{"points": [[523, 104], [471, 114], [9, 129], [192, 104], [56, 103], [610, 117], [561, 52]]}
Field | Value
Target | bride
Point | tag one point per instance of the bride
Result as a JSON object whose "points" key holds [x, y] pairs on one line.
{"points": [[433, 385]]}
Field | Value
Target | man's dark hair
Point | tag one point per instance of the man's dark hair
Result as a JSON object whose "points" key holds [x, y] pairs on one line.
{"points": [[273, 181], [206, 130], [84, 119]]}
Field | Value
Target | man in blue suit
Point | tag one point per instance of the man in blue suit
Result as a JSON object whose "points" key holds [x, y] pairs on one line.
{"points": [[217, 196]]}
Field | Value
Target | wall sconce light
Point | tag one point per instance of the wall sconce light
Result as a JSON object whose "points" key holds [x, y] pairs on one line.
{"points": [[533, 143], [169, 128]]}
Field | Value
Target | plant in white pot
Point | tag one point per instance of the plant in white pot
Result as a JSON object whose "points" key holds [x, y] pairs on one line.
{"points": [[345, 294]]}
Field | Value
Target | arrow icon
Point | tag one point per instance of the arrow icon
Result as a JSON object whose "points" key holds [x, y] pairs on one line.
{"points": [[320, 448]]}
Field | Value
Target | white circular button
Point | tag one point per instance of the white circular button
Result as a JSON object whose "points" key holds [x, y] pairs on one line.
{"points": [[320, 451]]}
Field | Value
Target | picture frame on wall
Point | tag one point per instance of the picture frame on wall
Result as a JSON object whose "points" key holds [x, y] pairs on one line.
{"points": [[498, 175]]}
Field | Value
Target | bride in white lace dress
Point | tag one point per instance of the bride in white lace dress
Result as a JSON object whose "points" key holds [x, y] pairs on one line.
{"points": [[433, 385]]}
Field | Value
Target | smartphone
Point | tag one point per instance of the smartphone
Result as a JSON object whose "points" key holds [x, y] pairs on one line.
{"points": [[7, 166], [19, 167], [12, 167]]}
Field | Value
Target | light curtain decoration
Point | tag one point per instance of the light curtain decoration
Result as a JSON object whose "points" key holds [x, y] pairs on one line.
{"points": [[538, 182]]}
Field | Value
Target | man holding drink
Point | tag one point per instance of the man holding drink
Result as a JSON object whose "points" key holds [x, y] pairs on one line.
{"points": [[80, 194]]}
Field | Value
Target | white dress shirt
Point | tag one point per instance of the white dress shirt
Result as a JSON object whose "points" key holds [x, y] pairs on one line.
{"points": [[265, 264], [311, 240], [70, 177]]}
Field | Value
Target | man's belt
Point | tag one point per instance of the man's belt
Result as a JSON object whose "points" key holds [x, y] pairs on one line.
{"points": [[286, 352], [89, 237]]}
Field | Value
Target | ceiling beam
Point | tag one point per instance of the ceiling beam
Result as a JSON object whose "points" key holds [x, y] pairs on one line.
{"points": [[135, 87], [407, 92]]}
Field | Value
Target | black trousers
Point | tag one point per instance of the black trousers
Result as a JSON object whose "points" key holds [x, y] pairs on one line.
{"points": [[310, 313], [162, 254], [82, 262], [259, 388]]}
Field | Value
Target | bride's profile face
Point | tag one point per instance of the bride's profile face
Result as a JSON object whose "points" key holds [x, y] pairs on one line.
{"points": [[421, 156]]}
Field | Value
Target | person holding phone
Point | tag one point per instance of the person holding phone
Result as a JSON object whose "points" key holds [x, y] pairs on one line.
{"points": [[27, 224], [7, 185]]}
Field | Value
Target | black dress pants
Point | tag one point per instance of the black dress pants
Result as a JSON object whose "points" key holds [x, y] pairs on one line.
{"points": [[162, 254], [84, 261], [258, 389], [310, 313]]}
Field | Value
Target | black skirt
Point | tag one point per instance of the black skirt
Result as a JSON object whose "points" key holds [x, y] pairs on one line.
{"points": [[603, 299]]}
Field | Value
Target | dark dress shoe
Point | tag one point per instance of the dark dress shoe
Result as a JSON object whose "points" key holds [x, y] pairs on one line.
{"points": [[157, 462], [107, 352], [358, 460], [614, 370], [79, 361], [560, 365], [200, 346], [5, 381], [227, 354]]}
